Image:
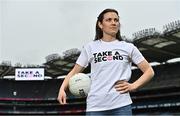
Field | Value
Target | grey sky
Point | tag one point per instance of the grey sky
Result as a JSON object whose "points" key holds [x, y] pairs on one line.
{"points": [[32, 29]]}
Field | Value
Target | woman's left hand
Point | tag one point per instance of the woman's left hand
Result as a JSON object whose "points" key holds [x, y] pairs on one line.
{"points": [[123, 86]]}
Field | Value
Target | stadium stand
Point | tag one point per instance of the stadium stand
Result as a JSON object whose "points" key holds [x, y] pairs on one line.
{"points": [[159, 97]]}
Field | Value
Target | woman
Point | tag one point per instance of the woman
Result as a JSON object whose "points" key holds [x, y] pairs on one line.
{"points": [[110, 60]]}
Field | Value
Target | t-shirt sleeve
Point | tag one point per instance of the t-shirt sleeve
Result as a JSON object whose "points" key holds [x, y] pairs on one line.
{"points": [[83, 58], [136, 55]]}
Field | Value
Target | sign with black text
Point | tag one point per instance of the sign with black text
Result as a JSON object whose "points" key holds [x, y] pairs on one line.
{"points": [[29, 74]]}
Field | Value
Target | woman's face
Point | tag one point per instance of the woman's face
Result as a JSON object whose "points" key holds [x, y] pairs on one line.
{"points": [[110, 24]]}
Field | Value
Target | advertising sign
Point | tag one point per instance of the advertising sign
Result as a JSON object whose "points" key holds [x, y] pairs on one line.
{"points": [[29, 74]]}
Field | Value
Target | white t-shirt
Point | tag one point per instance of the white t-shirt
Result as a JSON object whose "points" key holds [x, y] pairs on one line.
{"points": [[110, 62]]}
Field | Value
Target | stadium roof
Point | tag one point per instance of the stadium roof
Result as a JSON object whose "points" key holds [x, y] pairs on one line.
{"points": [[160, 47], [62, 66], [155, 46]]}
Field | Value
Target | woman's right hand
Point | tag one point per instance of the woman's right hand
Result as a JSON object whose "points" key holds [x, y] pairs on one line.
{"points": [[62, 94], [62, 97]]}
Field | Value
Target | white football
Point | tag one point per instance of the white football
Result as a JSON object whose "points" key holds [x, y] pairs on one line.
{"points": [[79, 85]]}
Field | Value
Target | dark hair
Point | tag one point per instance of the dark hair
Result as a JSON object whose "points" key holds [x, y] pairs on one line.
{"points": [[99, 33]]}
